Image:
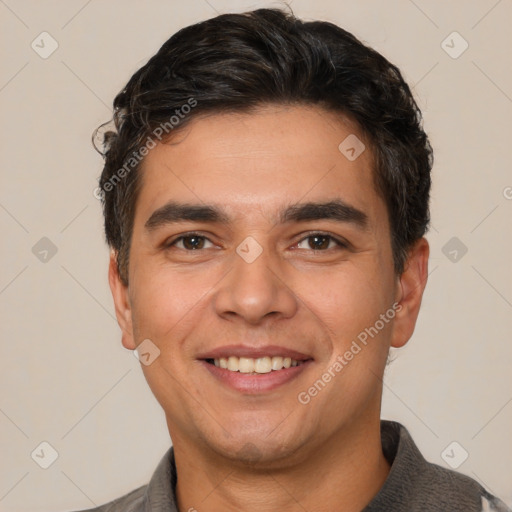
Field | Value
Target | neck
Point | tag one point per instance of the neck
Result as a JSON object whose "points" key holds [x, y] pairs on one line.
{"points": [[344, 473]]}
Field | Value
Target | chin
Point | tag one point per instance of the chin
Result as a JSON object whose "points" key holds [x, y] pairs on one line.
{"points": [[260, 451]]}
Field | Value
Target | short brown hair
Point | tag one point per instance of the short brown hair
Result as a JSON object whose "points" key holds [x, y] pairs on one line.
{"points": [[238, 62]]}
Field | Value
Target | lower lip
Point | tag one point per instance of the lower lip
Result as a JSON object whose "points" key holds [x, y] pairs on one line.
{"points": [[253, 384]]}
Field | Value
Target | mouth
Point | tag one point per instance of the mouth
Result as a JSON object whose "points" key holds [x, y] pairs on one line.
{"points": [[253, 371], [255, 366]]}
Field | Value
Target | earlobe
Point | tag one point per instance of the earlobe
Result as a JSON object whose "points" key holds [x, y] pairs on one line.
{"points": [[121, 302], [411, 286]]}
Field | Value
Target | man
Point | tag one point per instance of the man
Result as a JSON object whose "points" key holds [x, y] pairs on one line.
{"points": [[266, 198]]}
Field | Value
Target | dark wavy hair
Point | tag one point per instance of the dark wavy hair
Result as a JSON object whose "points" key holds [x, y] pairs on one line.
{"points": [[239, 62]]}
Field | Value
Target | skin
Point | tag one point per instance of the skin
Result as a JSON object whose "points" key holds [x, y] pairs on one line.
{"points": [[267, 452]]}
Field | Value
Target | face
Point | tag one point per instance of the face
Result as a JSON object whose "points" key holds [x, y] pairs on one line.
{"points": [[287, 254]]}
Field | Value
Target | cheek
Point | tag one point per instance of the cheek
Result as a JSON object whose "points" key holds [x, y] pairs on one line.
{"points": [[168, 304], [348, 299], [351, 306]]}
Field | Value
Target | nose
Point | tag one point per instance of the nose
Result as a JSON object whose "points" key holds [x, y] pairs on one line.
{"points": [[254, 291]]}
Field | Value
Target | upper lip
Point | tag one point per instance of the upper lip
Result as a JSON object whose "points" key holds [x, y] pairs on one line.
{"points": [[253, 352]]}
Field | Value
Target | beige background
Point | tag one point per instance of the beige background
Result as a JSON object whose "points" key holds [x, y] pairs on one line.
{"points": [[65, 377]]}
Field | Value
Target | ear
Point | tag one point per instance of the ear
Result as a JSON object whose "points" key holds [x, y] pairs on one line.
{"points": [[411, 285], [121, 302]]}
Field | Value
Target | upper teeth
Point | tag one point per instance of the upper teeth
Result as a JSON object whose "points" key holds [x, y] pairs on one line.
{"points": [[259, 365]]}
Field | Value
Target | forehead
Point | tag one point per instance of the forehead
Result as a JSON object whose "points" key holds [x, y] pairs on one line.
{"points": [[263, 160]]}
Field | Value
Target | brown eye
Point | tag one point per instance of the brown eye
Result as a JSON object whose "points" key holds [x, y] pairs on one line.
{"points": [[190, 242], [320, 242]]}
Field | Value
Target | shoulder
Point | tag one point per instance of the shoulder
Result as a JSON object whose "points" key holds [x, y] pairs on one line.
{"points": [[442, 487], [131, 502], [159, 493], [457, 492], [414, 484]]}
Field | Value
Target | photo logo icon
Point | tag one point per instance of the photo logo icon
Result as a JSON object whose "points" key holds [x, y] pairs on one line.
{"points": [[454, 455], [44, 45], [351, 147], [44, 455], [146, 352], [249, 249], [454, 249], [44, 250], [454, 45]]}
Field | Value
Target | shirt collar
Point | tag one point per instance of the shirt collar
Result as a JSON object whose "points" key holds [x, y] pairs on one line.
{"points": [[160, 495], [407, 466]]}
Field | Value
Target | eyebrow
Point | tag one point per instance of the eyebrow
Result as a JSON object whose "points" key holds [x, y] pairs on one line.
{"points": [[337, 210]]}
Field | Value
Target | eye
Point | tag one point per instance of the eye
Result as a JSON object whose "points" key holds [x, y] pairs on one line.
{"points": [[189, 242], [317, 241], [321, 242]]}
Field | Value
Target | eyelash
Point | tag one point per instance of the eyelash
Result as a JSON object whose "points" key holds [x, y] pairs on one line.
{"points": [[340, 243]]}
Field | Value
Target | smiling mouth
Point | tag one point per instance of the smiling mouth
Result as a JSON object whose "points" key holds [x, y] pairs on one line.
{"points": [[255, 366]]}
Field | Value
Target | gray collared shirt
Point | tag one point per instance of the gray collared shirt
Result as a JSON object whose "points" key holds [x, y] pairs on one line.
{"points": [[413, 484]]}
